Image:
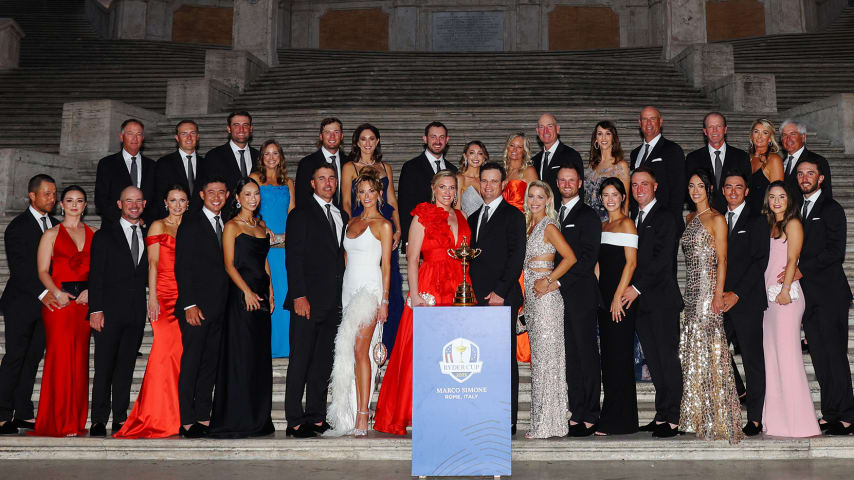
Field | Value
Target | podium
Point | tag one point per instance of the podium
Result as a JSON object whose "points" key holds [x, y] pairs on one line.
{"points": [[461, 391]]}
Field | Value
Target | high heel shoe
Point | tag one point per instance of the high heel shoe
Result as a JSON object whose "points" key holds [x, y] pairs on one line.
{"points": [[358, 432]]}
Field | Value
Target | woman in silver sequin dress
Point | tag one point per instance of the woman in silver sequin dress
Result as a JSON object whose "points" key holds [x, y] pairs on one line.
{"points": [[710, 405], [468, 178], [544, 313]]}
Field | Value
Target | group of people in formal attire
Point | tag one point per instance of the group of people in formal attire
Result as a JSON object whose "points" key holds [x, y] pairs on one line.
{"points": [[234, 263]]}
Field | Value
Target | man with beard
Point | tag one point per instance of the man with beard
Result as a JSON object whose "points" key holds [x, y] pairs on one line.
{"points": [[416, 174], [329, 154]]}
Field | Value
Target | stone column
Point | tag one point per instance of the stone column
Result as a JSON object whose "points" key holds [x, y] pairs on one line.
{"points": [[402, 26], [10, 43], [704, 63], [158, 20], [18, 166], [127, 19], [256, 28], [684, 24], [745, 92], [784, 16]]}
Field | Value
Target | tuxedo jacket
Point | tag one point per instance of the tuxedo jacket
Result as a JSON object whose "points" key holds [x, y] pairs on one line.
{"points": [[791, 179], [113, 176], [748, 246], [221, 162], [667, 161], [735, 159], [564, 155], [823, 252], [315, 260], [582, 230], [170, 171], [654, 276], [502, 242], [116, 285], [413, 187], [199, 267], [302, 185], [21, 295]]}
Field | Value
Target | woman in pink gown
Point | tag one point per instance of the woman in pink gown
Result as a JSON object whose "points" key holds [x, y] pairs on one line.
{"points": [[789, 410]]}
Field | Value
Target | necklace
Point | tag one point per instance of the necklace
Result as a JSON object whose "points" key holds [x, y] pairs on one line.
{"points": [[366, 163], [166, 220], [247, 222], [704, 211]]}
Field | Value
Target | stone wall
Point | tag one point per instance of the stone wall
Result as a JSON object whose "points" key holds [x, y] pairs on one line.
{"points": [[354, 29], [192, 24], [580, 28], [728, 19]]}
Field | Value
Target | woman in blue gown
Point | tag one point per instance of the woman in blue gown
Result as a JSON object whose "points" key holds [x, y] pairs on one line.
{"points": [[277, 200], [366, 158]]}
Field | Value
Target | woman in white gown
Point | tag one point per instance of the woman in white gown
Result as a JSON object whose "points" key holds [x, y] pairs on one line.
{"points": [[364, 297]]}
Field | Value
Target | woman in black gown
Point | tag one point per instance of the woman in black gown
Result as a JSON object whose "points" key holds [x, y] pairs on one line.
{"points": [[617, 260], [765, 162], [244, 386]]}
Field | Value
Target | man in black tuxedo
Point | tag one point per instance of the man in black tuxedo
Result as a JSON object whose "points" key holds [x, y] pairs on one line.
{"points": [[118, 275], [667, 162], [828, 297], [329, 153], [315, 264], [119, 170], [555, 154], [21, 304], [200, 308], [413, 187], [793, 137], [717, 156], [654, 287], [235, 159], [745, 299], [582, 229], [498, 229], [181, 167]]}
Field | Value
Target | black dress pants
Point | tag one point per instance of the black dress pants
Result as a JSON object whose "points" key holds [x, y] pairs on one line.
{"points": [[658, 332], [115, 358], [199, 364], [24, 350], [583, 364], [826, 331], [746, 329], [310, 365]]}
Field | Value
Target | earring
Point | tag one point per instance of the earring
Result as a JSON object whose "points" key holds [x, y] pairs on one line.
{"points": [[596, 145], [238, 204], [62, 210]]}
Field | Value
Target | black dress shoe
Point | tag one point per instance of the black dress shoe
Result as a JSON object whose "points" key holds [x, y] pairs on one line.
{"points": [[25, 424], [839, 429], [825, 426], [303, 432], [751, 429], [9, 428], [649, 427], [182, 432], [581, 430], [513, 430], [138, 354], [320, 428], [98, 430], [805, 348], [196, 430], [116, 428], [664, 430], [205, 429]]}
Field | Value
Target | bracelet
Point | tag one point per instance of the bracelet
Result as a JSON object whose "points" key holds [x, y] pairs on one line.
{"points": [[549, 279], [385, 301]]}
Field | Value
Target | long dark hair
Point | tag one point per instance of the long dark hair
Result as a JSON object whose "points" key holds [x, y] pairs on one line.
{"points": [[790, 212], [356, 152], [616, 148], [613, 182], [709, 181], [464, 163], [72, 188], [233, 209], [281, 169]]}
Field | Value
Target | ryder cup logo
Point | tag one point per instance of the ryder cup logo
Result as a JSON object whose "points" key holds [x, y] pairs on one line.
{"points": [[461, 359]]}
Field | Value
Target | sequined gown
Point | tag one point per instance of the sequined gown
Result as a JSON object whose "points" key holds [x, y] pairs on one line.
{"points": [[549, 399], [710, 406], [470, 201], [592, 182]]}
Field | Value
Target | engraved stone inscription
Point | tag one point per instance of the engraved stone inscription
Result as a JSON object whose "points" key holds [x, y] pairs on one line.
{"points": [[468, 31]]}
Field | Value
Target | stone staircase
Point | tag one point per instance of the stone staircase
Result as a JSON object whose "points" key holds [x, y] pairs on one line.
{"points": [[806, 66]]}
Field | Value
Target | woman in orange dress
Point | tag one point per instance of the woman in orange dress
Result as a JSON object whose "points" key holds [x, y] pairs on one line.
{"points": [[155, 413], [63, 265], [436, 227], [517, 162]]}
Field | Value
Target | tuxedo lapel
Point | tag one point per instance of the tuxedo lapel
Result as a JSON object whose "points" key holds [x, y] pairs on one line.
{"points": [[740, 221], [119, 235], [330, 235]]}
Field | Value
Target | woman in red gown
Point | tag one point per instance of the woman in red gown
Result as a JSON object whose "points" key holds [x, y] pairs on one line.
{"points": [[63, 265], [155, 413], [436, 227], [517, 162]]}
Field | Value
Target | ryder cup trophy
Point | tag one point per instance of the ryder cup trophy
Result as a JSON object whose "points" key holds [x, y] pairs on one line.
{"points": [[464, 296]]}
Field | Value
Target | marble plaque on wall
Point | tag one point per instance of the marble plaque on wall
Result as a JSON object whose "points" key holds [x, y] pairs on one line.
{"points": [[468, 31]]}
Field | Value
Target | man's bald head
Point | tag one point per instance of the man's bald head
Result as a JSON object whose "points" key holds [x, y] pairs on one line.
{"points": [[548, 129], [131, 203]]}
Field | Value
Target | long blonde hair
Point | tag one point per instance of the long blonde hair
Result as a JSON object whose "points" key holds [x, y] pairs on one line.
{"points": [[774, 147], [550, 202], [526, 158]]}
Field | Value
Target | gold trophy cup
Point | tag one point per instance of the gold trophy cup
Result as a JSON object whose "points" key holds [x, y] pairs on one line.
{"points": [[465, 295]]}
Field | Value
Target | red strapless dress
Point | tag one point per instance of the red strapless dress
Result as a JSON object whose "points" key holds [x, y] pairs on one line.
{"points": [[64, 396], [155, 413], [514, 193], [439, 276]]}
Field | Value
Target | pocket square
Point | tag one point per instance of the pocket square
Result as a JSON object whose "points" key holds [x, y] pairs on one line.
{"points": [[569, 225], [816, 218], [659, 159], [556, 166], [740, 232]]}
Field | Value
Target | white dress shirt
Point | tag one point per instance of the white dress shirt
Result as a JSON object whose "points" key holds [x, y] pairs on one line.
{"points": [[812, 199], [492, 206], [138, 180], [712, 156], [735, 213], [140, 238], [652, 144], [38, 216], [336, 216], [432, 160], [338, 161], [247, 156], [791, 165], [569, 204], [195, 158]]}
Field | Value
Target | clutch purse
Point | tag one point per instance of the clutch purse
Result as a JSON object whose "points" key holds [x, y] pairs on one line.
{"points": [[379, 352], [277, 241], [430, 300], [774, 290], [74, 288], [264, 305]]}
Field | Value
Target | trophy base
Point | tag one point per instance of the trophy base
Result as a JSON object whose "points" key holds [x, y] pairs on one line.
{"points": [[464, 296]]}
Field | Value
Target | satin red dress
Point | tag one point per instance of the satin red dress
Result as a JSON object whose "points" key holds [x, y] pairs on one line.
{"points": [[438, 275], [64, 396], [514, 194], [155, 413]]}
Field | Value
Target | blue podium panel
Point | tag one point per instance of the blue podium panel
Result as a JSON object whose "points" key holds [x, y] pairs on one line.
{"points": [[461, 391]]}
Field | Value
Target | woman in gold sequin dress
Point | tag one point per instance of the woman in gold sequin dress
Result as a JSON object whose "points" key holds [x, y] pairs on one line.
{"points": [[710, 406], [544, 313]]}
